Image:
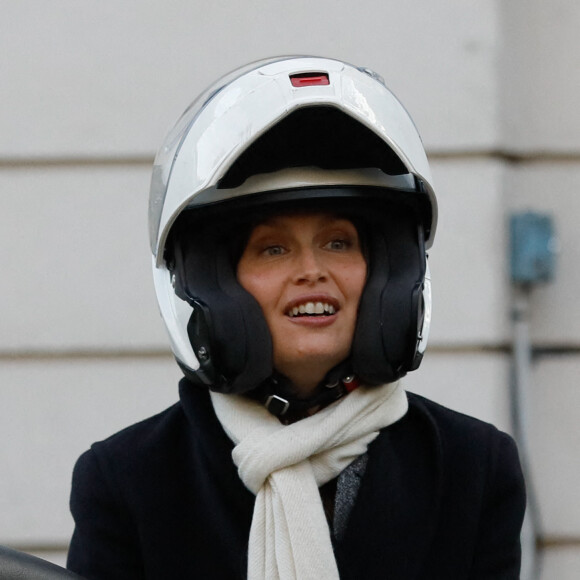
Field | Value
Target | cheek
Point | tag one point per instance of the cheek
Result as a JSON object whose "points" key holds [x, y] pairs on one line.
{"points": [[248, 275], [250, 282], [354, 280], [261, 286]]}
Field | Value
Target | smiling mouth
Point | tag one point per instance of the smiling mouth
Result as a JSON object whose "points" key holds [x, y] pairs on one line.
{"points": [[311, 309]]}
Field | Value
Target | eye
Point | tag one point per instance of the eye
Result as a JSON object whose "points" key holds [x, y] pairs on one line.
{"points": [[274, 250], [338, 244]]}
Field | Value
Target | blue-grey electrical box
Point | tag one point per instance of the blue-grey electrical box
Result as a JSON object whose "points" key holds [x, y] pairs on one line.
{"points": [[533, 248]]}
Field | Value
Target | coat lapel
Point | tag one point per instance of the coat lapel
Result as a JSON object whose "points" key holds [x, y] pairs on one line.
{"points": [[391, 526]]}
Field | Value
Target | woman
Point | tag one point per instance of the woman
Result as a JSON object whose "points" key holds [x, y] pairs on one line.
{"points": [[291, 209]]}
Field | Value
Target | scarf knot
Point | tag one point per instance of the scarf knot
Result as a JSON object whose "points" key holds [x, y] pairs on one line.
{"points": [[283, 465]]}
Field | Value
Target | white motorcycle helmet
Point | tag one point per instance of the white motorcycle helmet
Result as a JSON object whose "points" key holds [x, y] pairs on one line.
{"points": [[282, 133]]}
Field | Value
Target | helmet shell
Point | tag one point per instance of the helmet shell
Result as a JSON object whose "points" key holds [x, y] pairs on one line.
{"points": [[232, 115], [234, 112]]}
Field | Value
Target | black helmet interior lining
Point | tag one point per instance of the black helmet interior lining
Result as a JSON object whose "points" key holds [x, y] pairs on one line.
{"points": [[391, 313], [314, 136], [227, 329]]}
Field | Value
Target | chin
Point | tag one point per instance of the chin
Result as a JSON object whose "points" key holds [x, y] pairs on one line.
{"points": [[319, 360]]}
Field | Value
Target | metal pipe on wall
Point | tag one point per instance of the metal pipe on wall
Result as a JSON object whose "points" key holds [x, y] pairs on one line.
{"points": [[533, 248]]}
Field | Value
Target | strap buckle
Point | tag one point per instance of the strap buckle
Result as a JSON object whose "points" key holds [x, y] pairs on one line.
{"points": [[277, 405]]}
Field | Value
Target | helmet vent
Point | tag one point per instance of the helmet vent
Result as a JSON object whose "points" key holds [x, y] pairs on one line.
{"points": [[309, 79]]}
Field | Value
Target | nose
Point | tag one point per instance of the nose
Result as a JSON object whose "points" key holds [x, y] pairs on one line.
{"points": [[310, 268]]}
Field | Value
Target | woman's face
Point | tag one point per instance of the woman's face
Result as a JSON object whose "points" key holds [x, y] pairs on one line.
{"points": [[307, 272]]}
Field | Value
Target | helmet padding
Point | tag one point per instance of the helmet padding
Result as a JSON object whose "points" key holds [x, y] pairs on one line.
{"points": [[228, 323], [390, 311], [227, 330]]}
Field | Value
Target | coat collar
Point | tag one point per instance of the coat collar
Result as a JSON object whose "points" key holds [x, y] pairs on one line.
{"points": [[398, 503]]}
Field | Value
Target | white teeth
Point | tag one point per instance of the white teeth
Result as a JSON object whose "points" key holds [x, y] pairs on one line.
{"points": [[312, 308]]}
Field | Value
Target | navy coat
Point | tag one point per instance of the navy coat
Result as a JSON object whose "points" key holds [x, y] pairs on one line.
{"points": [[442, 498]]}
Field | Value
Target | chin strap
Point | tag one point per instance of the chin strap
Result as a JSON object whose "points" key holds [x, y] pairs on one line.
{"points": [[278, 396]]}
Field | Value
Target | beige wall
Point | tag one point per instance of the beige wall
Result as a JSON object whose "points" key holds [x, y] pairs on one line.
{"points": [[88, 91]]}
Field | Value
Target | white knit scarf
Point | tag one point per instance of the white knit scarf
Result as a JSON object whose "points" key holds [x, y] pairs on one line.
{"points": [[285, 464]]}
